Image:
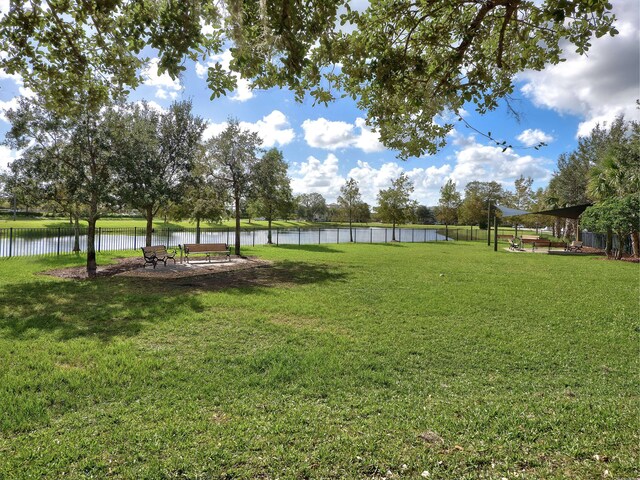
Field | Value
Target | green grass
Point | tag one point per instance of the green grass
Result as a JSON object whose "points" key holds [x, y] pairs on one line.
{"points": [[343, 361]]}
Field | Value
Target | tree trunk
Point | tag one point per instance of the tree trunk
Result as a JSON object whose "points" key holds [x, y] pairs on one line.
{"points": [[71, 219], [350, 230], [148, 213], [76, 235], [609, 243], [237, 245], [635, 244], [92, 266], [198, 230], [393, 232], [269, 232]]}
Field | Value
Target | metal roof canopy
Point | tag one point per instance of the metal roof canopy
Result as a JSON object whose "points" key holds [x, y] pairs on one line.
{"points": [[567, 212]]}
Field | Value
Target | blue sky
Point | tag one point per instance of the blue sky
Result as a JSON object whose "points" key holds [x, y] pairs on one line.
{"points": [[326, 145]]}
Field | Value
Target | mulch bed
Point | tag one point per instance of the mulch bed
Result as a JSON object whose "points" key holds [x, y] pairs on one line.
{"points": [[133, 267]]}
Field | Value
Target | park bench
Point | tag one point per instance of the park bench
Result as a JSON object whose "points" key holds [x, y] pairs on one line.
{"points": [[206, 249], [158, 253], [535, 241], [575, 246]]}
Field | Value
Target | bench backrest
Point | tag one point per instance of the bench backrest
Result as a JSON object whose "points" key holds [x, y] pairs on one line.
{"points": [[530, 237], [154, 250], [205, 247], [576, 244]]}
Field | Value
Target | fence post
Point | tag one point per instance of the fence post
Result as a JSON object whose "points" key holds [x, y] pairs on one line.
{"points": [[299, 236], [385, 234], [319, 235], [338, 236], [227, 235], [277, 237], [371, 235], [10, 241], [168, 236], [58, 248], [99, 238], [135, 238], [413, 231], [253, 242]]}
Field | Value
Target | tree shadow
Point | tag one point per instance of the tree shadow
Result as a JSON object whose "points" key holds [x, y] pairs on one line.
{"points": [[111, 307], [311, 248]]}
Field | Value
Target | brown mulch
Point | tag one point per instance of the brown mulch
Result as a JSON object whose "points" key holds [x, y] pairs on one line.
{"points": [[80, 273], [134, 267]]}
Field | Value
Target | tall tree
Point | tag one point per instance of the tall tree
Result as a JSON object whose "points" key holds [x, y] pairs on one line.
{"points": [[348, 202], [231, 157], [157, 156], [271, 188], [447, 209], [616, 173], [394, 203], [477, 196], [311, 206], [425, 215], [79, 150], [620, 214]]}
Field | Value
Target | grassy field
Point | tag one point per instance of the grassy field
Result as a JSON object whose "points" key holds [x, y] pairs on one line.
{"points": [[341, 361]]}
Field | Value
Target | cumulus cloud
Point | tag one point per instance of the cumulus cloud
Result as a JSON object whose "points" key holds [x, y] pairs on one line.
{"points": [[598, 86], [273, 129], [243, 90], [334, 135], [6, 157], [318, 176], [472, 161], [532, 137], [166, 87]]}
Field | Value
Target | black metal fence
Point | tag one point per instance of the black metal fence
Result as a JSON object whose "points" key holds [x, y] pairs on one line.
{"points": [[16, 242]]}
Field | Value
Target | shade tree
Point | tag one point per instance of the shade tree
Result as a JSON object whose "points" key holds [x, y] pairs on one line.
{"points": [[348, 202], [230, 158], [270, 195], [395, 205]]}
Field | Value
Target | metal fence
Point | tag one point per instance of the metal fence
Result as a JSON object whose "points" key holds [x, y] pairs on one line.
{"points": [[15, 242], [599, 240]]}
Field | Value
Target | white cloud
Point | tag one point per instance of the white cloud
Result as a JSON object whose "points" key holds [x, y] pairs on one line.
{"points": [[532, 137], [272, 129], [330, 135], [597, 86], [243, 91], [472, 161], [166, 87], [7, 105], [6, 156], [489, 163], [318, 176]]}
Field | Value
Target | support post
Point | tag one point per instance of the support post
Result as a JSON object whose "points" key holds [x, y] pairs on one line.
{"points": [[10, 241], [495, 233], [135, 238], [489, 225], [58, 248]]}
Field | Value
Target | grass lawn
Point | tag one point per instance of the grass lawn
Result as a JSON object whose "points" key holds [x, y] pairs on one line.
{"points": [[349, 361]]}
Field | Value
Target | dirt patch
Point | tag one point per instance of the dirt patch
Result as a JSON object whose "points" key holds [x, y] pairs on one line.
{"points": [[80, 273], [134, 267]]}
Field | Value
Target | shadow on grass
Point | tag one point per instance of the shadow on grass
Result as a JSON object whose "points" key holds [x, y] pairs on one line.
{"points": [[310, 248], [121, 307]]}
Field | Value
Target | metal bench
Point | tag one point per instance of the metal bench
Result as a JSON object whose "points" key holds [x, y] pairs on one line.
{"points": [[158, 253], [206, 249]]}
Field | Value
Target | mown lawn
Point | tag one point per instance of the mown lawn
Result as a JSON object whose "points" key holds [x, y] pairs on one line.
{"points": [[342, 361]]}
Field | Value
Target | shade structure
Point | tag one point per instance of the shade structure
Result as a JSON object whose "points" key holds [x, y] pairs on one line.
{"points": [[511, 212], [567, 212]]}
